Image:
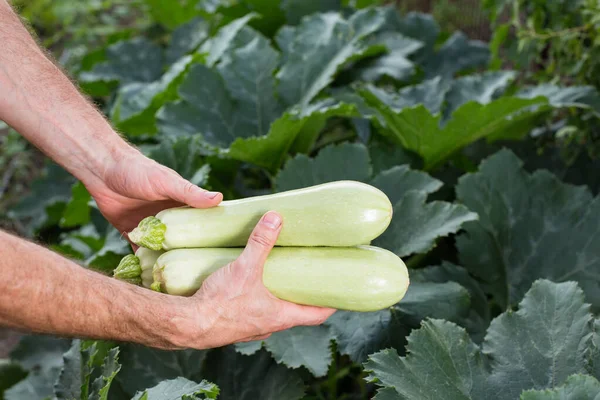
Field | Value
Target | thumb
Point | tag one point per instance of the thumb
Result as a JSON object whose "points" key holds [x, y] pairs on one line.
{"points": [[261, 241], [175, 187]]}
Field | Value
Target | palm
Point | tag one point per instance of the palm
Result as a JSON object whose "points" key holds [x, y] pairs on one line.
{"points": [[125, 213]]}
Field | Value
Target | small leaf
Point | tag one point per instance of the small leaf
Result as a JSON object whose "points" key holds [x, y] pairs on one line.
{"points": [[10, 374], [180, 388], [110, 368], [77, 211]]}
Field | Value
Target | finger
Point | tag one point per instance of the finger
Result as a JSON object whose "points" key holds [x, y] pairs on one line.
{"points": [[261, 242], [306, 315], [174, 187]]}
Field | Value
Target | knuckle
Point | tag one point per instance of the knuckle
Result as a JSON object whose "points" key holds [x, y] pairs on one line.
{"points": [[260, 239], [188, 188]]}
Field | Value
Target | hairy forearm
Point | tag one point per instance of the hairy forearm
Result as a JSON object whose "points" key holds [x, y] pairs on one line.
{"points": [[42, 104], [43, 292]]}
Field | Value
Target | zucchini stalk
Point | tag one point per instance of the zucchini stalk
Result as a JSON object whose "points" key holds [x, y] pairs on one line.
{"points": [[336, 214]]}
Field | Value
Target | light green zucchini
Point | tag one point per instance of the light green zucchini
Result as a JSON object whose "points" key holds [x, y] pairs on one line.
{"points": [[339, 214], [362, 278]]}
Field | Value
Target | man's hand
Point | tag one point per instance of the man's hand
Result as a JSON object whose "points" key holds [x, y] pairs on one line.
{"points": [[233, 305], [134, 187]]}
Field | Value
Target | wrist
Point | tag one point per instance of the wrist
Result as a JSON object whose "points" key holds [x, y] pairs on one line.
{"points": [[186, 323]]}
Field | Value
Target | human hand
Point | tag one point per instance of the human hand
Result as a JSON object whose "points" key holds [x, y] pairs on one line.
{"points": [[233, 305], [134, 187]]}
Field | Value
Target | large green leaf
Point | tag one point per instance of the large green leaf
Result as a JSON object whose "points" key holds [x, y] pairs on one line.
{"points": [[531, 226], [416, 224], [442, 363], [225, 39], [172, 13], [387, 394], [252, 377], [186, 155], [69, 384], [343, 162], [576, 387], [43, 357], [585, 97], [99, 249], [482, 88], [295, 10], [144, 367], [458, 53], [296, 130], [135, 60], [235, 100], [187, 38], [537, 347], [299, 346], [416, 129], [448, 300], [395, 63], [478, 318], [319, 47], [80, 378], [361, 334], [136, 104], [45, 204], [471, 108]]}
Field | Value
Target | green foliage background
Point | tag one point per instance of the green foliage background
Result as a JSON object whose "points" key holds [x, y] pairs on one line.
{"points": [[486, 150]]}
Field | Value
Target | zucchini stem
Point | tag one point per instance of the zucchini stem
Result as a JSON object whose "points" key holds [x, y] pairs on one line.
{"points": [[150, 233], [129, 269]]}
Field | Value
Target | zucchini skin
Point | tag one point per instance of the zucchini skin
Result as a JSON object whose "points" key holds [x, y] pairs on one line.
{"points": [[337, 214], [147, 259], [362, 278]]}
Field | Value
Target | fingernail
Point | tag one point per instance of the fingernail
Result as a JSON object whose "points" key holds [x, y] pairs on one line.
{"points": [[211, 195], [272, 220]]}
